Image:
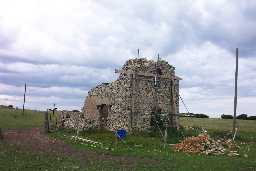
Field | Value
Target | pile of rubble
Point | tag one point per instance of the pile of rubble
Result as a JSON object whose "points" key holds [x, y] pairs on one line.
{"points": [[203, 144]]}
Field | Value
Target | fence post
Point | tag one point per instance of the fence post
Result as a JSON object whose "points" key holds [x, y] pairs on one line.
{"points": [[1, 134], [46, 122]]}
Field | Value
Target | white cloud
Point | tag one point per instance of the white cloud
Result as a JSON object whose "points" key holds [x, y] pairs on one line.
{"points": [[204, 64]]}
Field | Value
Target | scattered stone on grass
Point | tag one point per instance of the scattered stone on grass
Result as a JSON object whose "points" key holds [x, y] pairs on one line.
{"points": [[203, 144]]}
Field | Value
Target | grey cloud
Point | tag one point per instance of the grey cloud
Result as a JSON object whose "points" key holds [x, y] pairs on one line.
{"points": [[54, 75], [197, 37]]}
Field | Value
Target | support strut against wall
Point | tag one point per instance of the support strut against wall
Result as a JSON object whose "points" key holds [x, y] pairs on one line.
{"points": [[134, 87], [156, 83], [132, 100], [174, 113], [170, 111]]}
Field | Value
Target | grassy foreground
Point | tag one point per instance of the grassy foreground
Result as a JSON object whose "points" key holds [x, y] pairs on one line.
{"points": [[148, 147], [13, 158], [141, 147]]}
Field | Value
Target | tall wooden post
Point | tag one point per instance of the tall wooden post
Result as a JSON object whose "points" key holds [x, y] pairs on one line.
{"points": [[24, 99], [235, 97]]}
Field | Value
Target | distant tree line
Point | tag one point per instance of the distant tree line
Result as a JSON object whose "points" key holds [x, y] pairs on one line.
{"points": [[242, 117], [194, 115], [223, 116], [7, 107]]}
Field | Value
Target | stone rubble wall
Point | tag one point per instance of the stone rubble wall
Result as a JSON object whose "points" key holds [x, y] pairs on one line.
{"points": [[147, 96], [74, 120], [133, 97], [69, 119], [114, 95]]}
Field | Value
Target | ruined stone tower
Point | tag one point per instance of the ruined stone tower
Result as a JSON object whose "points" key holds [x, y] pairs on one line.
{"points": [[143, 89]]}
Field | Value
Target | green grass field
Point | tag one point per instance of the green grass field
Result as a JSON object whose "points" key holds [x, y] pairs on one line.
{"points": [[219, 124], [148, 151], [12, 118]]}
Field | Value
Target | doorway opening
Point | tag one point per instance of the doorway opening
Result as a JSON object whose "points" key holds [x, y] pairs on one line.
{"points": [[103, 112]]}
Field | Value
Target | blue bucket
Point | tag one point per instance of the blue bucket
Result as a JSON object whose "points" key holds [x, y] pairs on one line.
{"points": [[121, 133]]}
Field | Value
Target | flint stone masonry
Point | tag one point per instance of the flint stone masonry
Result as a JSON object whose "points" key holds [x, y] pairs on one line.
{"points": [[143, 89]]}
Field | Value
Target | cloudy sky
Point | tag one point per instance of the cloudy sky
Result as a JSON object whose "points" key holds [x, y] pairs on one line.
{"points": [[62, 48]]}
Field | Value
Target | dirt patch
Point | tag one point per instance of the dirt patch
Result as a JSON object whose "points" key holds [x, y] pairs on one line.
{"points": [[38, 142]]}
